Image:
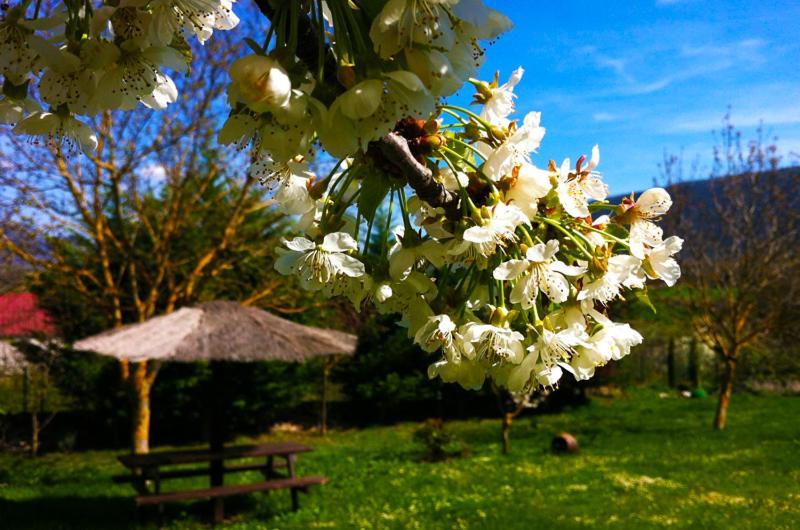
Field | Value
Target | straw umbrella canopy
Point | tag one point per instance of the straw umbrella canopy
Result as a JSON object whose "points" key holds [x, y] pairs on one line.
{"points": [[12, 361], [219, 332]]}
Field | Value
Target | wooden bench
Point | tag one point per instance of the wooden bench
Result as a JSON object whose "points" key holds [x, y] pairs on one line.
{"points": [[294, 483], [266, 469], [148, 471]]}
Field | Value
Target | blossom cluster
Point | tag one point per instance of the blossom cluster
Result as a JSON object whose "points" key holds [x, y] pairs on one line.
{"points": [[82, 59], [517, 287], [505, 268], [419, 52]]}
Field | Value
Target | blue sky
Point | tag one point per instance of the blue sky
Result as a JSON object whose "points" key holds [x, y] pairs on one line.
{"points": [[639, 77]]}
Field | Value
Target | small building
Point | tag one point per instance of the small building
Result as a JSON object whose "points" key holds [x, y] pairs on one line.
{"points": [[21, 316]]}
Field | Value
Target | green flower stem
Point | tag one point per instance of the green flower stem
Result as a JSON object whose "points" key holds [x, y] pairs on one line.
{"points": [[535, 308], [468, 146], [471, 164], [368, 236], [404, 210], [502, 293], [609, 236], [317, 7], [485, 124], [457, 116], [600, 206], [387, 228], [527, 233], [566, 232], [335, 198], [466, 203], [323, 185]]}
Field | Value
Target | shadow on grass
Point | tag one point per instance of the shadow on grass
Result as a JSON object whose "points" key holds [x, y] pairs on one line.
{"points": [[57, 513], [119, 513]]}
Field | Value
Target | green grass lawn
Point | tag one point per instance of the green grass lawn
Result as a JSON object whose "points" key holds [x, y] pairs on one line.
{"points": [[644, 462]]}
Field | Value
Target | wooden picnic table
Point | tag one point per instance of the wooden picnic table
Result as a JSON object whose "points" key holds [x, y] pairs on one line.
{"points": [[148, 471]]}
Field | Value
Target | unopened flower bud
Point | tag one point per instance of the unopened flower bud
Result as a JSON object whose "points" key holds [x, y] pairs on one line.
{"points": [[484, 90], [499, 316], [346, 75], [499, 133], [431, 126]]}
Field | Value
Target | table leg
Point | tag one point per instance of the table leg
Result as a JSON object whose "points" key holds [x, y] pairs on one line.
{"points": [[157, 490], [217, 472], [219, 510], [290, 462]]}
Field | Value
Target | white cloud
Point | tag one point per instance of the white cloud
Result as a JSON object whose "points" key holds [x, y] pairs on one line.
{"points": [[749, 117], [603, 117], [154, 172]]}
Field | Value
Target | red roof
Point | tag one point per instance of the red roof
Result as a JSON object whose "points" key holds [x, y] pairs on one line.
{"points": [[21, 316]]}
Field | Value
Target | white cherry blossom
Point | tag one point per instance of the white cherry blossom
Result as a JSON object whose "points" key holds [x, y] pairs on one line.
{"points": [[528, 185], [576, 188], [200, 17], [402, 259], [371, 109], [493, 344], [540, 270], [500, 103], [483, 240], [14, 110], [650, 205], [468, 373], [515, 150], [612, 341], [659, 263], [439, 332], [621, 270], [318, 265], [61, 130], [136, 76], [546, 358], [19, 45], [260, 82]]}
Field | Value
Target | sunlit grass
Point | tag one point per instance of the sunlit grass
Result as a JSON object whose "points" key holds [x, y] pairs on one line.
{"points": [[644, 462]]}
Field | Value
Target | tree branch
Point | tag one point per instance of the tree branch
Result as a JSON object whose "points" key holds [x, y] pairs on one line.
{"points": [[393, 147]]}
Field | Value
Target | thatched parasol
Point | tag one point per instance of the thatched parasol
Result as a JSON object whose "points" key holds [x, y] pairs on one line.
{"points": [[219, 331], [12, 361]]}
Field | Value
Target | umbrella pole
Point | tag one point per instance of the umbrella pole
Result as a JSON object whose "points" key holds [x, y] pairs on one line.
{"points": [[217, 427]]}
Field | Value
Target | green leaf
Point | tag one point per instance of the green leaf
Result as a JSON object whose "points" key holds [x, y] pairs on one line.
{"points": [[374, 188], [644, 298], [12, 91], [254, 46], [182, 46]]}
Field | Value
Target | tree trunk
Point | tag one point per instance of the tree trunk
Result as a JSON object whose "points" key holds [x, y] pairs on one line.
{"points": [[326, 369], [35, 429], [671, 363], [220, 390], [506, 434], [725, 391], [142, 383], [694, 364]]}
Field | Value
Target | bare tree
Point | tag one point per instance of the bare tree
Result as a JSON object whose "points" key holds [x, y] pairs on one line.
{"points": [[511, 405], [740, 259], [153, 179]]}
